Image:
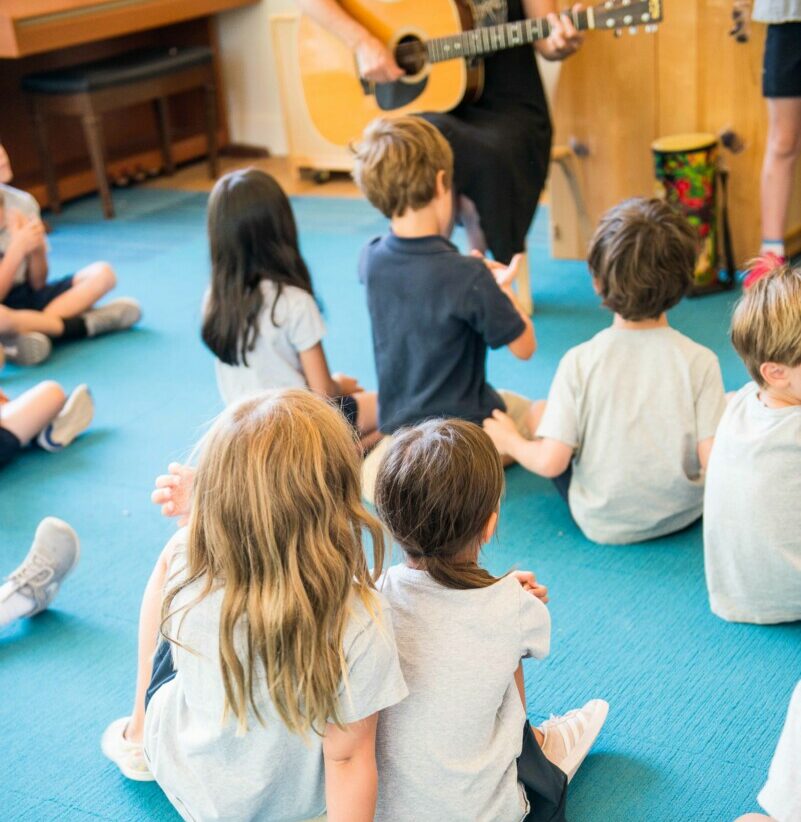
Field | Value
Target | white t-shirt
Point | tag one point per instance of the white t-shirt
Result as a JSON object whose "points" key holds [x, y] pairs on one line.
{"points": [[752, 512], [16, 200], [275, 361], [210, 773], [781, 796], [634, 405], [449, 750]]}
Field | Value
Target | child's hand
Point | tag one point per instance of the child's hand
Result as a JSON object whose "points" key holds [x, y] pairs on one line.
{"points": [[347, 385], [174, 492], [504, 274], [27, 234], [502, 430], [530, 584]]}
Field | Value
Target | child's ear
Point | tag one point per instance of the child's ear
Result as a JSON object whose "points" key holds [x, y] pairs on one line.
{"points": [[774, 374], [441, 188], [489, 528], [596, 286]]}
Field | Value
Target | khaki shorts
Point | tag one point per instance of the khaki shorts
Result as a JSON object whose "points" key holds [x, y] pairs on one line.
{"points": [[517, 407]]}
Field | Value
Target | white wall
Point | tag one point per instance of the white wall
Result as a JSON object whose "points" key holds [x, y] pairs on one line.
{"points": [[249, 75]]}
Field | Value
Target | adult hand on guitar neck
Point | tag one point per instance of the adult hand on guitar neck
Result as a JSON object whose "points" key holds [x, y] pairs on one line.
{"points": [[376, 62], [564, 39]]}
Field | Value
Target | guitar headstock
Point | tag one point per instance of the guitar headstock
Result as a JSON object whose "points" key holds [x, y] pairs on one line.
{"points": [[619, 14]]}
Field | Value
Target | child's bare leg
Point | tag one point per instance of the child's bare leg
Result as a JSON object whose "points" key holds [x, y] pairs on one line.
{"points": [[13, 323], [33, 411], [149, 623], [521, 689], [88, 286], [755, 817]]}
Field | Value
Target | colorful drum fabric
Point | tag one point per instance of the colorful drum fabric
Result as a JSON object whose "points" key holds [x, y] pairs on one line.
{"points": [[686, 169]]}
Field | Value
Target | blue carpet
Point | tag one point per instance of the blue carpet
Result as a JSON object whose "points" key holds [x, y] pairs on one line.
{"points": [[696, 704]]}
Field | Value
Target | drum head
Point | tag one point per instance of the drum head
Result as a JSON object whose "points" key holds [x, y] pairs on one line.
{"points": [[678, 143]]}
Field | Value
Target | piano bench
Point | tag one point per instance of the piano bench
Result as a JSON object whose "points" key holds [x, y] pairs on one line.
{"points": [[90, 90]]}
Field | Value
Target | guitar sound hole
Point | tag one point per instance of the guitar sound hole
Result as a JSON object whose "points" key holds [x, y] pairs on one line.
{"points": [[410, 54]]}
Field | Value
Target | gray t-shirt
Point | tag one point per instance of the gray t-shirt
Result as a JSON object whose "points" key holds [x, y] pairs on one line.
{"points": [[449, 750], [777, 11], [208, 771], [634, 405], [752, 512], [275, 361], [16, 200]]}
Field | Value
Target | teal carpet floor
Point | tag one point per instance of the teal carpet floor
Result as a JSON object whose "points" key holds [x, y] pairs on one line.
{"points": [[696, 704]]}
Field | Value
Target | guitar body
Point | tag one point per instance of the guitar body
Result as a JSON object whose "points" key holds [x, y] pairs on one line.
{"points": [[341, 104]]}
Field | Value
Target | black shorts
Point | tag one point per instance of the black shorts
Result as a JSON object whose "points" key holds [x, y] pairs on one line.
{"points": [[350, 410], [163, 669], [781, 73], [544, 783], [562, 482], [10, 446], [36, 299]]}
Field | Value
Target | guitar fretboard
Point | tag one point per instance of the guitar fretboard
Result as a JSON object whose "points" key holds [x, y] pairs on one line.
{"points": [[487, 40]]}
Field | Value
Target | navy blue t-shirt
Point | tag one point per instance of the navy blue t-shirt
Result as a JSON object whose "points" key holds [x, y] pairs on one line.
{"points": [[434, 312]]}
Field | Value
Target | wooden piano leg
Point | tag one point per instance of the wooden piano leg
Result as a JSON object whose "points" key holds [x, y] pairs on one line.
{"points": [[46, 161], [162, 108], [93, 131], [211, 128]]}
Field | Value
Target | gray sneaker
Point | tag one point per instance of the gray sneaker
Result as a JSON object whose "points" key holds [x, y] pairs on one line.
{"points": [[53, 555], [74, 419], [28, 349], [116, 315]]}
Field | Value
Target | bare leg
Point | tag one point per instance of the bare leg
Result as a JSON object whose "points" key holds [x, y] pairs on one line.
{"points": [[781, 153], [32, 411], [521, 689], [755, 817], [13, 323], [89, 285]]}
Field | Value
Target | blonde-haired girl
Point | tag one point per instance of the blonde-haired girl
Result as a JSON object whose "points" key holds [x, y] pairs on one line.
{"points": [[276, 654]]}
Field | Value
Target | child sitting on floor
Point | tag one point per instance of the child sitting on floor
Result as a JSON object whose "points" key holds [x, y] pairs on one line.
{"points": [[781, 795], [33, 586], [434, 312], [277, 652], [752, 509], [69, 301], [261, 318], [633, 410], [44, 413], [460, 745]]}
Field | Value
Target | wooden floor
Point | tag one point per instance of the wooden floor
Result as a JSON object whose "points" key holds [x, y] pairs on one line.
{"points": [[194, 177]]}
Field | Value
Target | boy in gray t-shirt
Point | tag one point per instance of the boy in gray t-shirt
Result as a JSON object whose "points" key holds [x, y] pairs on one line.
{"points": [[752, 513], [631, 415]]}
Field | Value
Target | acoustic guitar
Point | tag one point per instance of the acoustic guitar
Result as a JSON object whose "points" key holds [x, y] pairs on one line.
{"points": [[440, 53]]}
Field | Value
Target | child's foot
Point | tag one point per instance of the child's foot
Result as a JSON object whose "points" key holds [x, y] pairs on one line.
{"points": [[128, 756], [53, 554], [28, 349], [74, 419], [114, 316], [568, 738]]}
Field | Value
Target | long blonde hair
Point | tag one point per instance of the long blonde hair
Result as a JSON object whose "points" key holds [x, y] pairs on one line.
{"points": [[277, 524]]}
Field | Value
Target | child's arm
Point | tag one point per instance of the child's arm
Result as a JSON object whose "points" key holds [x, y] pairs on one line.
{"points": [[26, 237], [704, 450], [173, 492], [544, 456], [351, 777], [320, 379], [37, 266], [149, 624]]}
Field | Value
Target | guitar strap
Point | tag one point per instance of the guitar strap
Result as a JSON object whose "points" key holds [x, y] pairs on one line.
{"points": [[728, 249]]}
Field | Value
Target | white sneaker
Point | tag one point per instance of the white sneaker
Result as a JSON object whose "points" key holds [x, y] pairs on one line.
{"points": [[28, 349], [53, 554], [568, 738], [116, 315], [74, 419], [128, 756]]}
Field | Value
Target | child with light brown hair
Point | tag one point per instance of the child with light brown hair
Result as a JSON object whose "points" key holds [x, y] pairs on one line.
{"points": [[460, 745], [752, 513], [277, 652], [631, 414], [434, 312]]}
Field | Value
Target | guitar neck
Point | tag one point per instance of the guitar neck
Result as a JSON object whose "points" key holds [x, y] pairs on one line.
{"points": [[483, 41]]}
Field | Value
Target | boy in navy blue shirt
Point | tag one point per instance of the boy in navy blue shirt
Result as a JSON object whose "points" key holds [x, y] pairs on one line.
{"points": [[434, 311]]}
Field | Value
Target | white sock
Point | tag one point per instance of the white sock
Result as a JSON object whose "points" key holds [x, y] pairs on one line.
{"points": [[13, 605], [774, 246]]}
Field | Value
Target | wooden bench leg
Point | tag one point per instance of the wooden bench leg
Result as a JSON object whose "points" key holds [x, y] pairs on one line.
{"points": [[161, 106], [46, 161], [211, 129], [93, 131]]}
